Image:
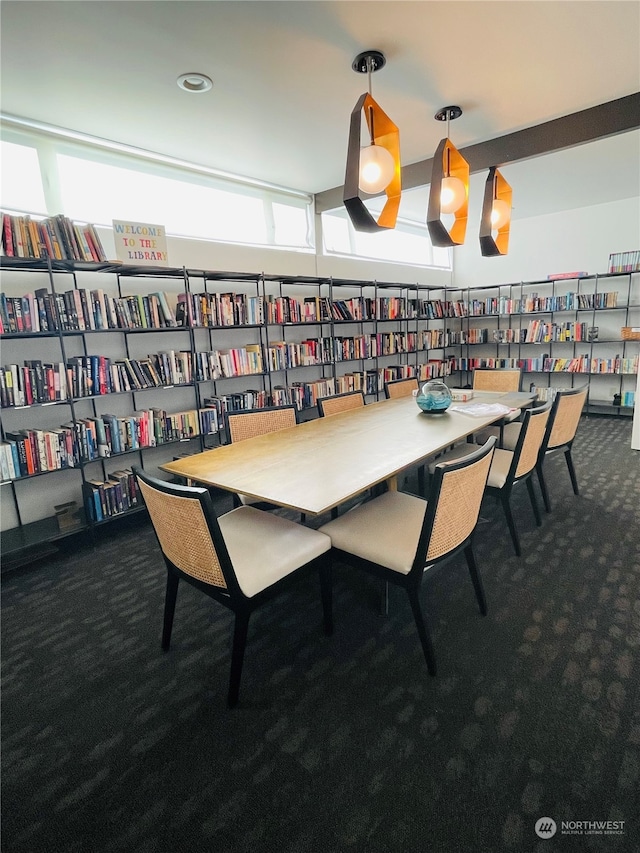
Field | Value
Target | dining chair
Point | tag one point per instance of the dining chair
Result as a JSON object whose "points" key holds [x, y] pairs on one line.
{"points": [[401, 387], [328, 406], [399, 537], [564, 419], [510, 467], [340, 403], [240, 559], [504, 379], [249, 423], [497, 379], [405, 388]]}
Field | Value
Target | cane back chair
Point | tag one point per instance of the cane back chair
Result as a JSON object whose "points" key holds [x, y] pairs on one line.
{"points": [[562, 426], [240, 559], [514, 466], [399, 537], [249, 423], [340, 403]]}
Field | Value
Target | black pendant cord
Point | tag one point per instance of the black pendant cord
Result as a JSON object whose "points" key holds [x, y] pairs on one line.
{"points": [[369, 69]]}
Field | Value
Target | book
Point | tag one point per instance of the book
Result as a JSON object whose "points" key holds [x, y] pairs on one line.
{"points": [[461, 395], [67, 516], [558, 276]]}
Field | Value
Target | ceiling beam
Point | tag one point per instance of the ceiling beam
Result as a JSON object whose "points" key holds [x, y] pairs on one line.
{"points": [[588, 125]]}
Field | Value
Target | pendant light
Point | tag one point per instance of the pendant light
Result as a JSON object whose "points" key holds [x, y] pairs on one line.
{"points": [[495, 222], [449, 191], [375, 167]]}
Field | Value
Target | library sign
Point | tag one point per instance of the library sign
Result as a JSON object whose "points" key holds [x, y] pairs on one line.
{"points": [[140, 243]]}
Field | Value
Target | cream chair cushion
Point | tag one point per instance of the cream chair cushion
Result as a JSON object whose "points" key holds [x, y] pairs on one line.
{"points": [[265, 548], [499, 470], [456, 452], [247, 500], [510, 435], [384, 531], [499, 466], [513, 415]]}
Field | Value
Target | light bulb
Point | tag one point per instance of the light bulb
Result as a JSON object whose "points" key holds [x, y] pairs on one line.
{"points": [[452, 195], [500, 212], [377, 168]]}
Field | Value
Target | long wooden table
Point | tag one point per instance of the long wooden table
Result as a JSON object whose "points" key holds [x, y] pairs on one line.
{"points": [[320, 464]]}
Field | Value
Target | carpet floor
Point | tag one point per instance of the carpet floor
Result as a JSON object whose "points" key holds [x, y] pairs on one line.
{"points": [[343, 743]]}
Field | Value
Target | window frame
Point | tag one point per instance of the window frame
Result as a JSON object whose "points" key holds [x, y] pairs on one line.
{"points": [[50, 142], [406, 226]]}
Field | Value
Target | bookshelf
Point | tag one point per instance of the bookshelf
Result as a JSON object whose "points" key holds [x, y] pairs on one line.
{"points": [[96, 377], [142, 364], [563, 333], [300, 344]]}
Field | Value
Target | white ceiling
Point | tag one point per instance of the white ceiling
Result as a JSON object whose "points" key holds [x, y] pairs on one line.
{"points": [[283, 84]]}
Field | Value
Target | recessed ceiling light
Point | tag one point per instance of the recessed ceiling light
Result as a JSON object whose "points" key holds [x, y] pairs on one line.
{"points": [[195, 82]]}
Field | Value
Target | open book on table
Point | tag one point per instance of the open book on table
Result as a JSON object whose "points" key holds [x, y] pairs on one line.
{"points": [[481, 410]]}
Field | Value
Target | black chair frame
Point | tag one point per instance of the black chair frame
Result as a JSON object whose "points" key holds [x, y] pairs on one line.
{"points": [[565, 448], [387, 386], [321, 400], [233, 597], [504, 494], [393, 382], [412, 581], [232, 414], [265, 505]]}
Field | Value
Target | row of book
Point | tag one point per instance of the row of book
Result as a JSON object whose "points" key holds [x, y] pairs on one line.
{"points": [[83, 310], [34, 451], [370, 308], [374, 346], [434, 309], [547, 394], [279, 310], [539, 332], [88, 310], [571, 301], [585, 364], [118, 494], [219, 309], [468, 364], [38, 382], [547, 364], [82, 376], [56, 237], [37, 451], [32, 382], [283, 355], [624, 261], [465, 336], [109, 435], [529, 304]]}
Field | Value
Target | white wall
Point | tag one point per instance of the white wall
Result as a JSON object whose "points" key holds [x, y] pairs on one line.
{"points": [[209, 255], [566, 241]]}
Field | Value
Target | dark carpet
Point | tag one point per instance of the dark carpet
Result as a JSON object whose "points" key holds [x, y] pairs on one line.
{"points": [[341, 743]]}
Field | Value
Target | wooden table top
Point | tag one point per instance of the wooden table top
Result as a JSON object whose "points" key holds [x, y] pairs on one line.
{"points": [[320, 464]]}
